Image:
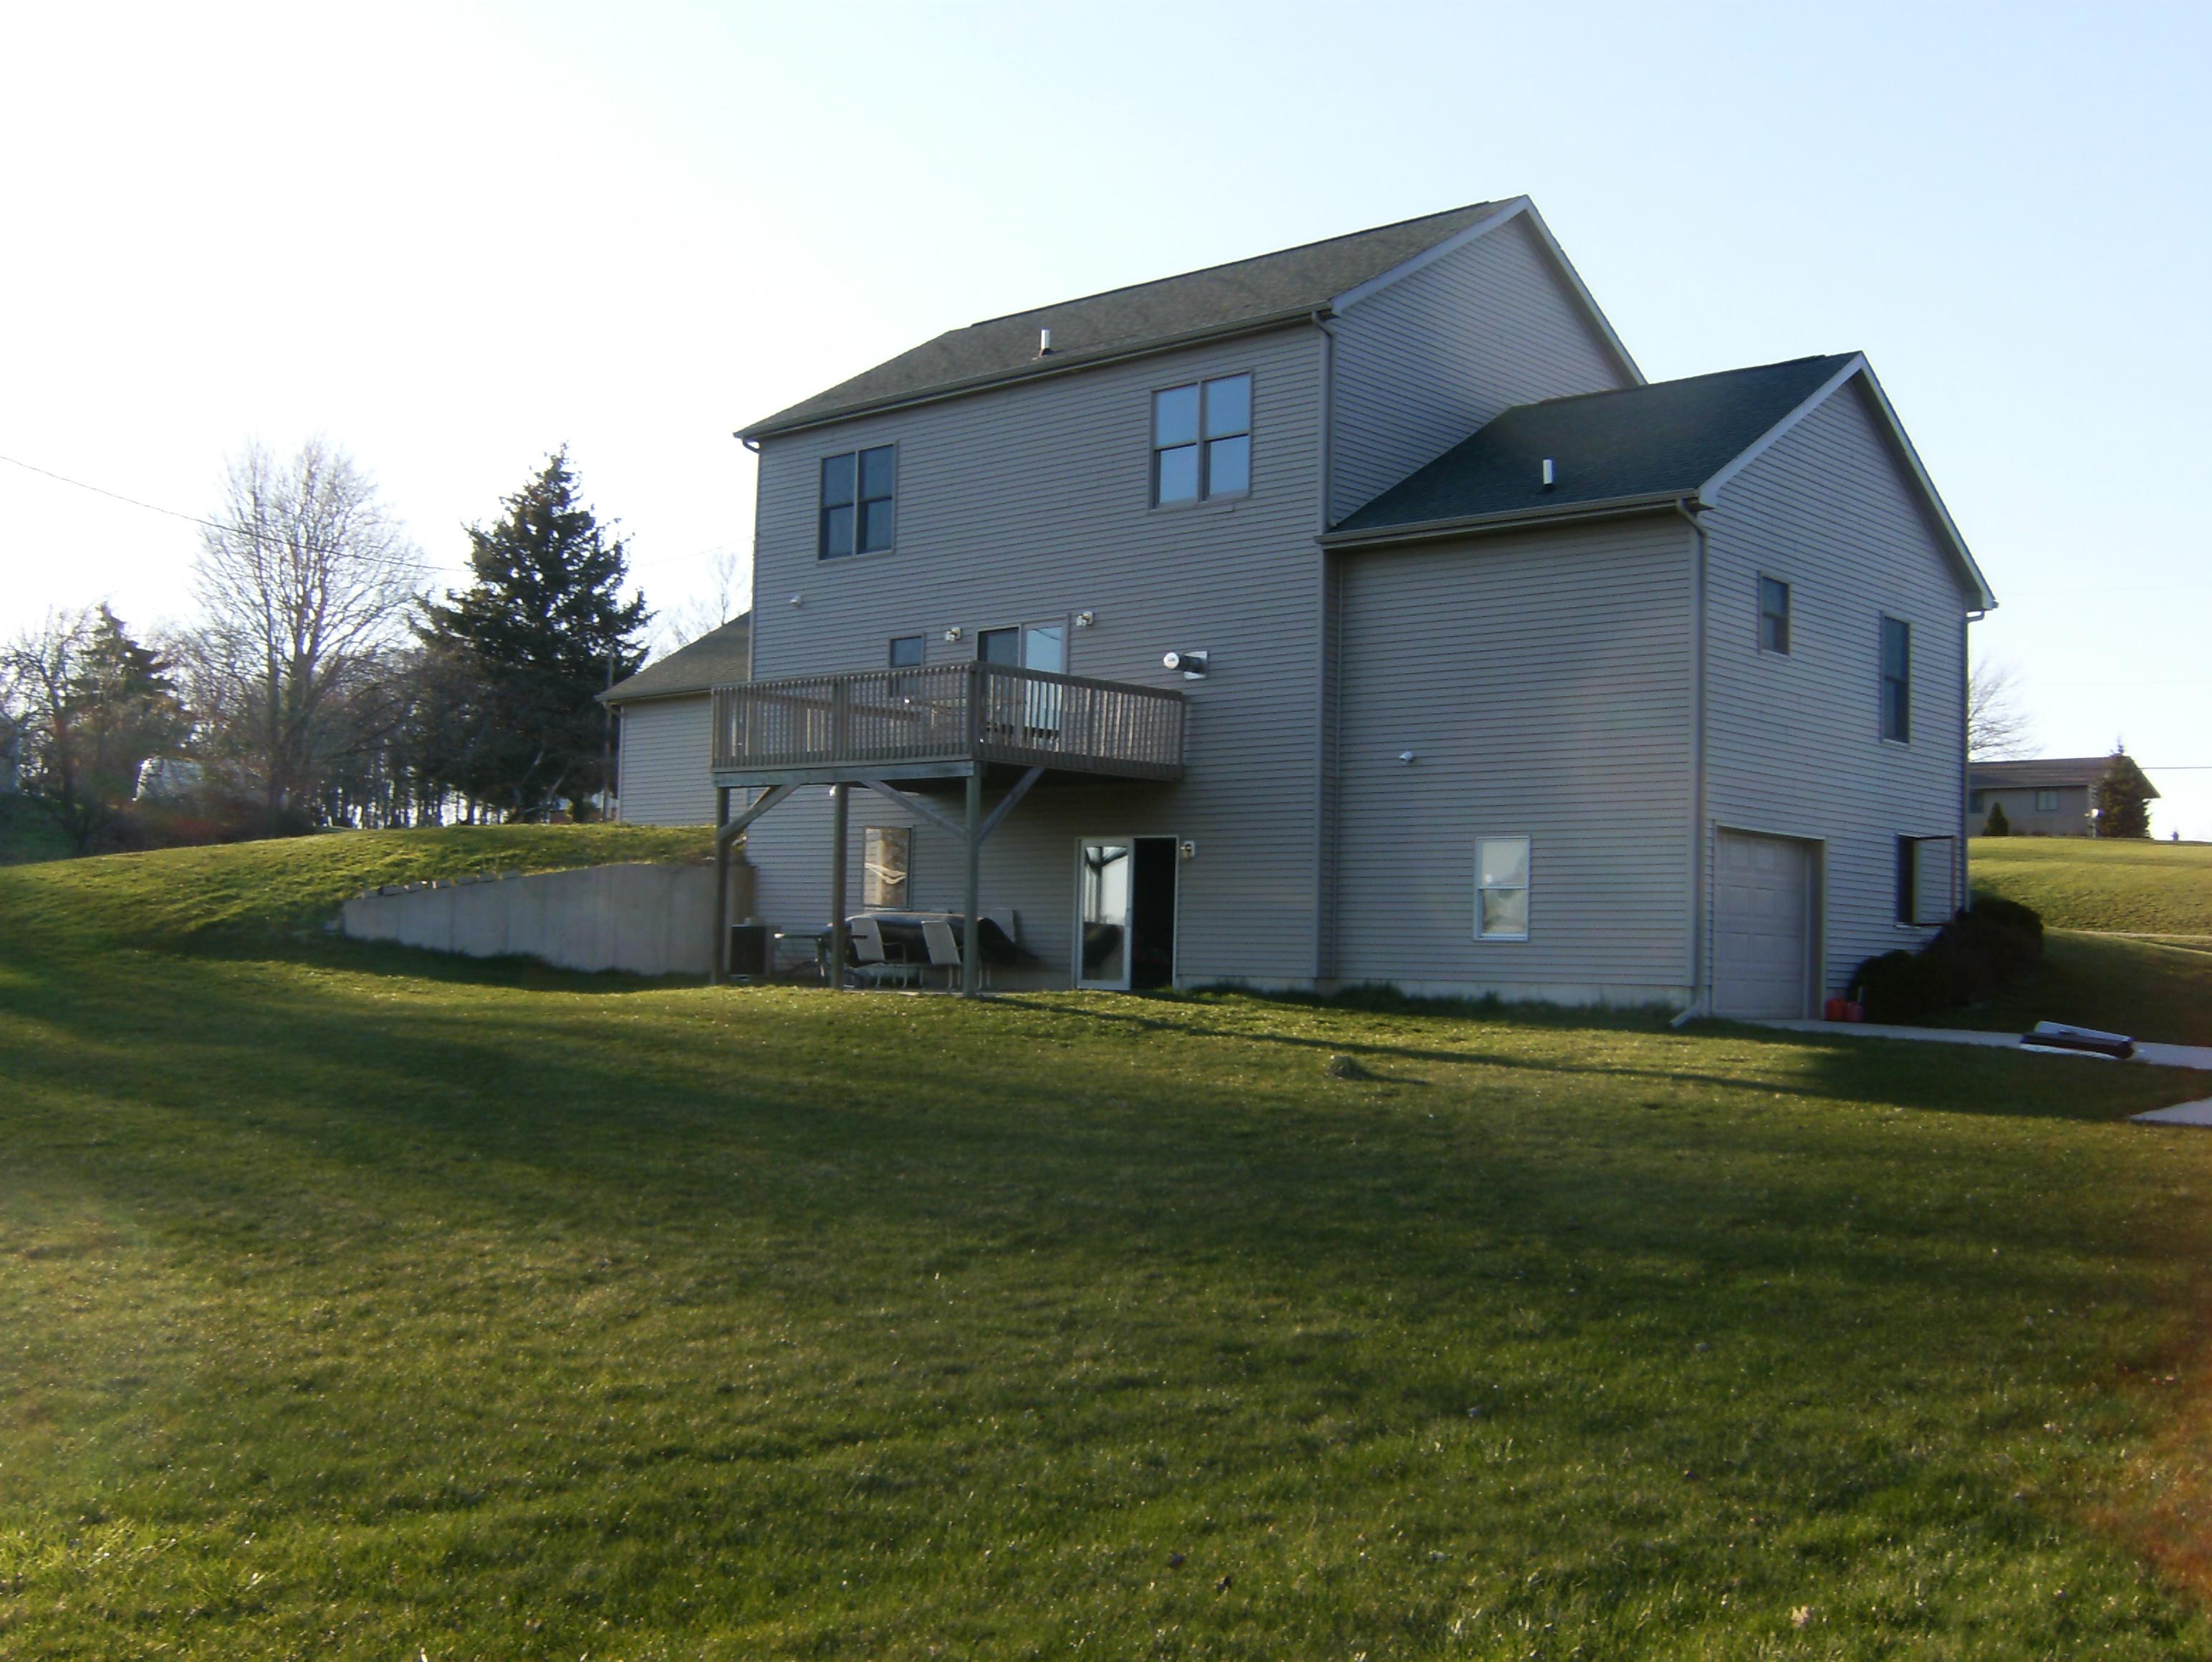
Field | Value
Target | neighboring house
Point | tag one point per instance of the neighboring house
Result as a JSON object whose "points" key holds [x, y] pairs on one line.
{"points": [[2056, 797], [667, 714], [1358, 613]]}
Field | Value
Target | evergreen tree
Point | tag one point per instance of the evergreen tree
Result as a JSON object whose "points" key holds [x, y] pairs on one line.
{"points": [[2000, 824], [2122, 798], [536, 638]]}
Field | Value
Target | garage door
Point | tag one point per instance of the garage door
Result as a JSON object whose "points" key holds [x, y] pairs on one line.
{"points": [[1762, 923]]}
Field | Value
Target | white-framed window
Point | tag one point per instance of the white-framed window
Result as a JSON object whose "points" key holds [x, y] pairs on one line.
{"points": [[1501, 888], [1897, 680], [886, 853], [1202, 441], [1774, 616]]}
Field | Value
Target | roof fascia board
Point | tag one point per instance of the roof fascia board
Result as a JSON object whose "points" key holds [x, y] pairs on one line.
{"points": [[1985, 598], [1581, 290], [1561, 265], [1711, 488], [1476, 525], [616, 698], [1043, 370], [1450, 245]]}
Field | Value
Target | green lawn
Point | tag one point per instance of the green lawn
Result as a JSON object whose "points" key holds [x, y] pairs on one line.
{"points": [[355, 1303], [2120, 886], [2128, 946]]}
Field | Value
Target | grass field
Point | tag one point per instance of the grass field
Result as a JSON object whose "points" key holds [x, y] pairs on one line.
{"points": [[2116, 887], [2130, 946], [355, 1303]]}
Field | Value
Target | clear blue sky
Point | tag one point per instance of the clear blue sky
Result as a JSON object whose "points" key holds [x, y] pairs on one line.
{"points": [[451, 237]]}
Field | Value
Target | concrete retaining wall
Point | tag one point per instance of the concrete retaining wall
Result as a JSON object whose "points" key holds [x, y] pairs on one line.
{"points": [[647, 920]]}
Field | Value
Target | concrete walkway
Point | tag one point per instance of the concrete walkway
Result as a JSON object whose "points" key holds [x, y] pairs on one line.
{"points": [[2162, 1055]]}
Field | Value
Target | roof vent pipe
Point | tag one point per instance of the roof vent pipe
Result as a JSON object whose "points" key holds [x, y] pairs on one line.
{"points": [[1044, 342], [1548, 480]]}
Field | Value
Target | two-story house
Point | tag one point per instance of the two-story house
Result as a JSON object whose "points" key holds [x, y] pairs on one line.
{"points": [[1359, 613]]}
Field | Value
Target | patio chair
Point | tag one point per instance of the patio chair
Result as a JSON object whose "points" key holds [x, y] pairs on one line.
{"points": [[944, 947], [870, 965]]}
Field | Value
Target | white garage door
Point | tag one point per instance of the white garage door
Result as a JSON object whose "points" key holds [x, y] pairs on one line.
{"points": [[1762, 924]]}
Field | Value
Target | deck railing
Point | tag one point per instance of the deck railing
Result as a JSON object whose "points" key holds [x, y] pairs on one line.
{"points": [[941, 713]]}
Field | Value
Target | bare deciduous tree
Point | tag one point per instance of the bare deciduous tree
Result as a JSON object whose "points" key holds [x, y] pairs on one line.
{"points": [[1996, 726], [305, 583], [720, 598]]}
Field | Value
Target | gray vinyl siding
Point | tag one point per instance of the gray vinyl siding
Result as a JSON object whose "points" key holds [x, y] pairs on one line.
{"points": [[662, 774], [1028, 504], [1543, 682], [1794, 746], [1422, 363]]}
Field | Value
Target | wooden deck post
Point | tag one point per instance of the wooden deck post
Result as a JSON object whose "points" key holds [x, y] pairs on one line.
{"points": [[719, 961], [971, 945], [837, 927]]}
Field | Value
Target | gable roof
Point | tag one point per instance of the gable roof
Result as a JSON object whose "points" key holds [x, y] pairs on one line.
{"points": [[2047, 773], [715, 659], [1665, 439], [1266, 291], [1630, 447]]}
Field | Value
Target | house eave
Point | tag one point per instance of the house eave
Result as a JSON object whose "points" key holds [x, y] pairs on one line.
{"points": [[1475, 525]]}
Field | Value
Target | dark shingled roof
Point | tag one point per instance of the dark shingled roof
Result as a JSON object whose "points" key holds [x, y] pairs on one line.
{"points": [[1669, 437], [2052, 773], [1121, 320], [715, 659]]}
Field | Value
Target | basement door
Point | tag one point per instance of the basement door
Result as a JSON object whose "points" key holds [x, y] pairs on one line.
{"points": [[1125, 920], [1762, 926]]}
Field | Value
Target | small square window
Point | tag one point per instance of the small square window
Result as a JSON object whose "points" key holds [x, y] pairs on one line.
{"points": [[2046, 801], [1501, 888], [1202, 441], [906, 651], [858, 492], [1773, 616]]}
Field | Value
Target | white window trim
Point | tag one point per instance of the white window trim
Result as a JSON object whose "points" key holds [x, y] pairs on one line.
{"points": [[1528, 886]]}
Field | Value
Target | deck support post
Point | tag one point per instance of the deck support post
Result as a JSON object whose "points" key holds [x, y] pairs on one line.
{"points": [[719, 964], [838, 929], [971, 945]]}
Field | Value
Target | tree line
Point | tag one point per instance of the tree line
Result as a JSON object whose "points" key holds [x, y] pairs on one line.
{"points": [[321, 683]]}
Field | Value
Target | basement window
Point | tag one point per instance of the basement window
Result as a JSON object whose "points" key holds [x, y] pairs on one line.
{"points": [[885, 854], [1501, 888]]}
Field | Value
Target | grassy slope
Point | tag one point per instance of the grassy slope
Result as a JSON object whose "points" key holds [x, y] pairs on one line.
{"points": [[354, 1303], [2100, 900], [2122, 887]]}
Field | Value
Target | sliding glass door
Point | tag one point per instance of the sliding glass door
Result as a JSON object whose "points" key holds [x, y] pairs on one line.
{"points": [[1103, 915]]}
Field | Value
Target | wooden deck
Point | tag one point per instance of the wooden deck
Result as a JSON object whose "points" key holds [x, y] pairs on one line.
{"points": [[943, 721]]}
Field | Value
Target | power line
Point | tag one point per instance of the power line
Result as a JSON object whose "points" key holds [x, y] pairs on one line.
{"points": [[116, 496]]}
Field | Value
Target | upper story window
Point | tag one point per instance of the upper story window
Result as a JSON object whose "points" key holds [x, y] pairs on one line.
{"points": [[1202, 441], [1773, 616], [1897, 680], [906, 651], [857, 492]]}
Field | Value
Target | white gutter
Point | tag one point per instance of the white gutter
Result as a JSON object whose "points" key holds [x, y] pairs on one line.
{"points": [[1472, 525]]}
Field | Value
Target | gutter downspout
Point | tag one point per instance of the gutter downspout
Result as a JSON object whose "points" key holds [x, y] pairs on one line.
{"points": [[1325, 748], [1700, 994]]}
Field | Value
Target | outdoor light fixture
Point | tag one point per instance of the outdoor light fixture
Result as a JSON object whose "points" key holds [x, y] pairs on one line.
{"points": [[1085, 619], [1407, 756], [953, 633], [798, 600], [1192, 664], [1188, 850]]}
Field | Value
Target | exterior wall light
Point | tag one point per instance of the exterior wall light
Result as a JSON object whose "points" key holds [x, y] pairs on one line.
{"points": [[1192, 664]]}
